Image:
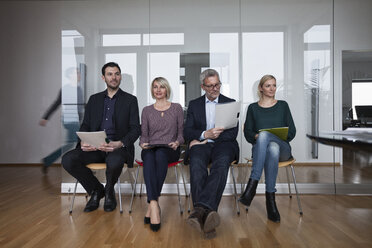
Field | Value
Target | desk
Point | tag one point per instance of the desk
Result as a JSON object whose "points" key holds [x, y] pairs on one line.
{"points": [[353, 140]]}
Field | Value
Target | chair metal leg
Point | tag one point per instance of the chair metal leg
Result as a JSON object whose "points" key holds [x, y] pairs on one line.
{"points": [[178, 190], [119, 190], [235, 193], [130, 178], [133, 191], [141, 186], [245, 185], [183, 180], [140, 193], [73, 197], [190, 199], [288, 181], [295, 184]]}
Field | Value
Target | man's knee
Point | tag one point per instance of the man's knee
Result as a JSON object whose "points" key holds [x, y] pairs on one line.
{"points": [[221, 163], [197, 161], [115, 162], [69, 159]]}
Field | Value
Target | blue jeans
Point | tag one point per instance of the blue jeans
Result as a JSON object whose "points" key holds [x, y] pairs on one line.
{"points": [[155, 168], [266, 153], [71, 139], [207, 190]]}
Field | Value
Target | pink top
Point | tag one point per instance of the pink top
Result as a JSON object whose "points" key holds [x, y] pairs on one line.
{"points": [[162, 127]]}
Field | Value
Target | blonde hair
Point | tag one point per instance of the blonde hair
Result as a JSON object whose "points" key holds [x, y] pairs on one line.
{"points": [[262, 81], [163, 82]]}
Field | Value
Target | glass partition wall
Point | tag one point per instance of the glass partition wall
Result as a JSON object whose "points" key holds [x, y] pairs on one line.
{"points": [[242, 39]]}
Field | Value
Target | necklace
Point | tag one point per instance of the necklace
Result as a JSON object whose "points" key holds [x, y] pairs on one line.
{"points": [[162, 114]]}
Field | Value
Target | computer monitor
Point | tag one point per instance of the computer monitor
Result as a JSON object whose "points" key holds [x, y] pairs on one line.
{"points": [[364, 112]]}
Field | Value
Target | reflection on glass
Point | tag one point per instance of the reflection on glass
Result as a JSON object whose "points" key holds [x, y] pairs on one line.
{"points": [[318, 34], [73, 84], [163, 39], [165, 65], [263, 53], [73, 77], [128, 65], [224, 58], [317, 80], [121, 40]]}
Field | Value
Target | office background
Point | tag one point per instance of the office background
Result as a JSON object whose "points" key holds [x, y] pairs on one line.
{"points": [[300, 42]]}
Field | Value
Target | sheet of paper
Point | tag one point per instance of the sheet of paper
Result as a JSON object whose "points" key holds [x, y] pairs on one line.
{"points": [[93, 138], [227, 114]]}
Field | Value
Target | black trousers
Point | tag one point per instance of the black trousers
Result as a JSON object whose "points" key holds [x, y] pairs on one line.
{"points": [[155, 168], [75, 161]]}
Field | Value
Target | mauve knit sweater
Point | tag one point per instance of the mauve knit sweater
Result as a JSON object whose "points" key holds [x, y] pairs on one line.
{"points": [[158, 128]]}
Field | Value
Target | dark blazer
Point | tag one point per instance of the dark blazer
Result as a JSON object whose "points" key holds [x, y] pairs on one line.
{"points": [[196, 123], [126, 119]]}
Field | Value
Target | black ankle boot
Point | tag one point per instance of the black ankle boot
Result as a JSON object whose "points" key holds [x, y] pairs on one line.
{"points": [[272, 210], [249, 192]]}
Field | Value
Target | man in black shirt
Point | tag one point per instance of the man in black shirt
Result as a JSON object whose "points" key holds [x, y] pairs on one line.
{"points": [[115, 112]]}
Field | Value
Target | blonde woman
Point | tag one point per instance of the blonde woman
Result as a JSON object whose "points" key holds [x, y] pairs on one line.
{"points": [[161, 137], [267, 149]]}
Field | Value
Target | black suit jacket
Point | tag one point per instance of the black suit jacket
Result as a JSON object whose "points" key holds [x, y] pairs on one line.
{"points": [[126, 119], [196, 123]]}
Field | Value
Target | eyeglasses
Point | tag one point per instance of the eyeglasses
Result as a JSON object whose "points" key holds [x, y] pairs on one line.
{"points": [[212, 86]]}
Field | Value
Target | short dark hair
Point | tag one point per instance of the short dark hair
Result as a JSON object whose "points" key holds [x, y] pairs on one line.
{"points": [[109, 64]]}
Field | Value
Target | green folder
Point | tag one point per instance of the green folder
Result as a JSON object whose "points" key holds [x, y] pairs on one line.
{"points": [[281, 132]]}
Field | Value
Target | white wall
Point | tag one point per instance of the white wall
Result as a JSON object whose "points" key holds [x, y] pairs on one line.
{"points": [[30, 65]]}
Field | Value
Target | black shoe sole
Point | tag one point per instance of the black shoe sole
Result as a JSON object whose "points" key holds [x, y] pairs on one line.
{"points": [[245, 202], [194, 223], [211, 222], [210, 235], [155, 227], [274, 220], [87, 210], [109, 209]]}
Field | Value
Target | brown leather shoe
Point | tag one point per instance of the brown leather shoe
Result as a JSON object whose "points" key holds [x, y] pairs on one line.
{"points": [[211, 220], [195, 219], [210, 235]]}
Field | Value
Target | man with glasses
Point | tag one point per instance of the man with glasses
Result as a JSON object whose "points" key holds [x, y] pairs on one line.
{"points": [[208, 145]]}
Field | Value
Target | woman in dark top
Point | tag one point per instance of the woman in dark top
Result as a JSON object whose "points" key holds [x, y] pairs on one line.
{"points": [[267, 149], [162, 129]]}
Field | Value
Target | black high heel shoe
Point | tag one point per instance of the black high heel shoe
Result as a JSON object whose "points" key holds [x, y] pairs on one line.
{"points": [[146, 220], [156, 227], [249, 192], [272, 210]]}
